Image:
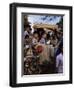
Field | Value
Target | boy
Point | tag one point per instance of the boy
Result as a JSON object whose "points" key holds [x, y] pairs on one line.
{"points": [[59, 60]]}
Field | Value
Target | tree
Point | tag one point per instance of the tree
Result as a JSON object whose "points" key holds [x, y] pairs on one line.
{"points": [[26, 22]]}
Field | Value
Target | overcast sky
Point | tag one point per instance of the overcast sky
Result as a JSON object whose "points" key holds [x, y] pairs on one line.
{"points": [[45, 19]]}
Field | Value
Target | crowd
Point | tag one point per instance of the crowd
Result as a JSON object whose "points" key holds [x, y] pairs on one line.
{"points": [[43, 51]]}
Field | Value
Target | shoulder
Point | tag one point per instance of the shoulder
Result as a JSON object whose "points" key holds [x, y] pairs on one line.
{"points": [[59, 56]]}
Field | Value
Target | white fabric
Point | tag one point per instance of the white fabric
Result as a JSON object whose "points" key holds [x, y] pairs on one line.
{"points": [[59, 63]]}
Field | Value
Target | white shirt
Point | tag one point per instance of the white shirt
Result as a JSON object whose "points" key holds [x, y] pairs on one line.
{"points": [[26, 33], [59, 63]]}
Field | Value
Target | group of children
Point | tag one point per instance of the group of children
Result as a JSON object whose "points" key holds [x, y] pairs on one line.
{"points": [[41, 37]]}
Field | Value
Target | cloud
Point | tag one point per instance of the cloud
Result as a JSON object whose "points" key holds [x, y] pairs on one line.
{"points": [[45, 19]]}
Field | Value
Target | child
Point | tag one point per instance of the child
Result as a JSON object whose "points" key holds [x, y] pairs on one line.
{"points": [[27, 31], [35, 38], [59, 60], [43, 39]]}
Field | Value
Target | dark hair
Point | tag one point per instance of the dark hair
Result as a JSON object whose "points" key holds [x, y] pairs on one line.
{"points": [[27, 36], [48, 36], [61, 44], [27, 26]]}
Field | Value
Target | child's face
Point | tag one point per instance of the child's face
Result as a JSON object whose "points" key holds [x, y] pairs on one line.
{"points": [[28, 29], [30, 36], [44, 36], [27, 39], [36, 35]]}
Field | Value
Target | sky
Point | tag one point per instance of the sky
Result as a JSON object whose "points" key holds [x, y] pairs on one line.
{"points": [[45, 19]]}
